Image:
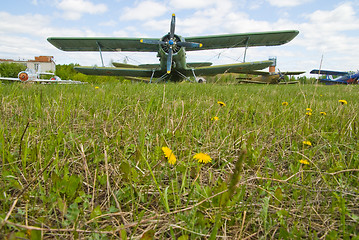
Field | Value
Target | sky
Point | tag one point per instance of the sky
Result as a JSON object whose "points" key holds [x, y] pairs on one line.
{"points": [[328, 29]]}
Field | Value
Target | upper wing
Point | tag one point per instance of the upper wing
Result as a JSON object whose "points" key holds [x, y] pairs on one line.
{"points": [[243, 40], [328, 72], [231, 68], [105, 44]]}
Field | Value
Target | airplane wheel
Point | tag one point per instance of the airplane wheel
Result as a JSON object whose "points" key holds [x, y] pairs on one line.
{"points": [[201, 80]]}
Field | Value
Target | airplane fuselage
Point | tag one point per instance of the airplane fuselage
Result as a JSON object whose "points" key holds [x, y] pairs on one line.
{"points": [[179, 64]]}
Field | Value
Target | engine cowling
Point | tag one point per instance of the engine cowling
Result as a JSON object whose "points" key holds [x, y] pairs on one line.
{"points": [[23, 76], [168, 43]]}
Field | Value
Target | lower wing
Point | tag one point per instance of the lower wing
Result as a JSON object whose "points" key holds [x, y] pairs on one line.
{"points": [[125, 72], [231, 68]]}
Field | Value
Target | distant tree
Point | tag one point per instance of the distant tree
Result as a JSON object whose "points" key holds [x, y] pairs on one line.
{"points": [[67, 71], [11, 69]]}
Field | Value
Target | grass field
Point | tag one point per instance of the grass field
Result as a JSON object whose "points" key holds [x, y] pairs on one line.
{"points": [[86, 161]]}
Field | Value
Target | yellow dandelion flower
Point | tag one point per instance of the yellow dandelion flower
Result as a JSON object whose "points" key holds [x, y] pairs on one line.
{"points": [[343, 102], [215, 118], [222, 104], [308, 113], [308, 110], [308, 143], [96, 87], [285, 103], [323, 113], [303, 161], [202, 158], [169, 155]]}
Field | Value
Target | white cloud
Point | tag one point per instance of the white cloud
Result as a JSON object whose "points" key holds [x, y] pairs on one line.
{"points": [[194, 4], [287, 3], [144, 10], [74, 9], [22, 24]]}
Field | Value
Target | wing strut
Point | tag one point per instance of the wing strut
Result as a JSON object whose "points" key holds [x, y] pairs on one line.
{"points": [[153, 73], [99, 48], [245, 50]]}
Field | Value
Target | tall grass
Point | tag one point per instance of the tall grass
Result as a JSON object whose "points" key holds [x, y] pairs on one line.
{"points": [[86, 161]]}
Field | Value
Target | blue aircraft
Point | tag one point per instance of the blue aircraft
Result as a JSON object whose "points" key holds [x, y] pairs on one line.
{"points": [[344, 77]]}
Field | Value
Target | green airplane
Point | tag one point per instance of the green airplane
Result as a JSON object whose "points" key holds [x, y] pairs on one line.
{"points": [[268, 78], [171, 50]]}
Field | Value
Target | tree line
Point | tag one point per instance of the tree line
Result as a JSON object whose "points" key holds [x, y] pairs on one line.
{"points": [[67, 71]]}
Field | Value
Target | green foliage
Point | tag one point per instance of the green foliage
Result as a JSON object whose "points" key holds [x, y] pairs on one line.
{"points": [[11, 69], [85, 161], [67, 71]]}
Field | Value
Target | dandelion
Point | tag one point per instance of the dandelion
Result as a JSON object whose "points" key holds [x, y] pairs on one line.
{"points": [[222, 104], [96, 87], [215, 118], [202, 158], [308, 110], [285, 103], [343, 102], [308, 143], [308, 113], [303, 161], [169, 155], [323, 113]]}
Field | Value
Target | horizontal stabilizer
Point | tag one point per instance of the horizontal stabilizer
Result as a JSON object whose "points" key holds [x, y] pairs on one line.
{"points": [[328, 72]]}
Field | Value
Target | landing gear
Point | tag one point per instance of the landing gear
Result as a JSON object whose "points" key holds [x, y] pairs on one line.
{"points": [[201, 80]]}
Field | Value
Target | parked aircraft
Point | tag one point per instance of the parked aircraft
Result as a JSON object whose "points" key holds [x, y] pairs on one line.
{"points": [[344, 77], [271, 77], [29, 75], [171, 50]]}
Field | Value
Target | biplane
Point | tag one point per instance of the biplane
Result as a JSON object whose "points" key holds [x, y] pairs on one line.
{"points": [[343, 77], [171, 50], [269, 78], [29, 75]]}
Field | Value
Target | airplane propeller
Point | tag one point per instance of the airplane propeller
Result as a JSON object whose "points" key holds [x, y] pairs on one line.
{"points": [[170, 42], [281, 75]]}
